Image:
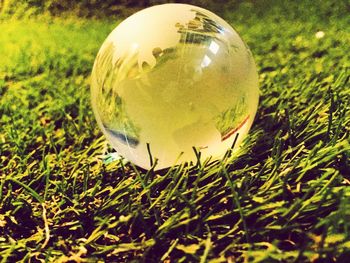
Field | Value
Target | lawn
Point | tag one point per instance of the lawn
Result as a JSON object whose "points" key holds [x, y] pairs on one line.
{"points": [[284, 197]]}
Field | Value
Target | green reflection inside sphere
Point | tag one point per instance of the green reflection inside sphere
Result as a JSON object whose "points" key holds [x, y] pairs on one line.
{"points": [[170, 78]]}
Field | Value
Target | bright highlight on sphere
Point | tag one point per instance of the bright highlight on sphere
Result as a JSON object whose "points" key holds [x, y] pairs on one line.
{"points": [[172, 77]]}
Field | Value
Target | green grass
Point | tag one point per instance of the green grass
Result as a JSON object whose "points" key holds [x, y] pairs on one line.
{"points": [[285, 197]]}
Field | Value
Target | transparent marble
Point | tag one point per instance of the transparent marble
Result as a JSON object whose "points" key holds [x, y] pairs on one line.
{"points": [[172, 77]]}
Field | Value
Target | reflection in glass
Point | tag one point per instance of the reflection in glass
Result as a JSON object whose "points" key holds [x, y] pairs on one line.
{"points": [[174, 77]]}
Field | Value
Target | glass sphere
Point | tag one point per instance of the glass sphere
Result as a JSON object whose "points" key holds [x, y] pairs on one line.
{"points": [[170, 79]]}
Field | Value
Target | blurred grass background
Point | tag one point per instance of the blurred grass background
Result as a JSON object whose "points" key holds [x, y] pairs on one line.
{"points": [[96, 8], [284, 198]]}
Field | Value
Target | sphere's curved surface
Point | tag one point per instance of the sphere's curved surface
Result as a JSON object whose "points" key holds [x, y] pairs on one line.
{"points": [[170, 78]]}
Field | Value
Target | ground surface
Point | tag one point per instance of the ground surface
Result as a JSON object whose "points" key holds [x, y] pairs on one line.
{"points": [[284, 197]]}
